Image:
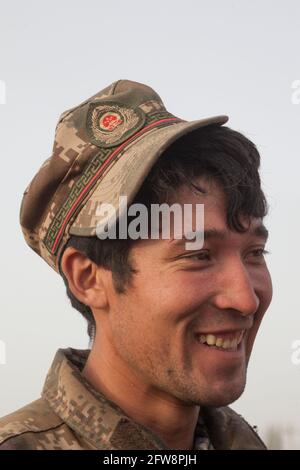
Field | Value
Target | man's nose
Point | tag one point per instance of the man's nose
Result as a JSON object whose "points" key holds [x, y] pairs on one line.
{"points": [[235, 290]]}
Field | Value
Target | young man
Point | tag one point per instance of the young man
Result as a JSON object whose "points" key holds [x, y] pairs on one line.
{"points": [[172, 327]]}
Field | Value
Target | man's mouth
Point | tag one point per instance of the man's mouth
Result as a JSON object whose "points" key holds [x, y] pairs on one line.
{"points": [[228, 341]]}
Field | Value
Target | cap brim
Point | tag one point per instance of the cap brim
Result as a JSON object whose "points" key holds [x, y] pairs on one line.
{"points": [[128, 172]]}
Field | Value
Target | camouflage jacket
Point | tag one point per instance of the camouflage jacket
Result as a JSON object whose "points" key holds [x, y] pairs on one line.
{"points": [[71, 414]]}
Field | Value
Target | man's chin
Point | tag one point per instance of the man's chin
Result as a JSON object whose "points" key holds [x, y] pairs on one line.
{"points": [[223, 394]]}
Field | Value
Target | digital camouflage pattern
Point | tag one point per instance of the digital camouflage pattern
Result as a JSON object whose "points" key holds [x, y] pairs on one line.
{"points": [[103, 148], [72, 415]]}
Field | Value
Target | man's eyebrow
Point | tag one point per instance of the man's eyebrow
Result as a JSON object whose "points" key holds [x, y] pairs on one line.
{"points": [[260, 231]]}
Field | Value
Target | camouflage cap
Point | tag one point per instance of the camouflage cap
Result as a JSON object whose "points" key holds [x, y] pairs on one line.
{"points": [[103, 149]]}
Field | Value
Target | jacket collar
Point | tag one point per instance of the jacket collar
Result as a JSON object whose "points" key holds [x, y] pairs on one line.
{"points": [[105, 426]]}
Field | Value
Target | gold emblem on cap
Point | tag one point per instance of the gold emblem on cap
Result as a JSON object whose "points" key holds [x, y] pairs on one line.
{"points": [[110, 124]]}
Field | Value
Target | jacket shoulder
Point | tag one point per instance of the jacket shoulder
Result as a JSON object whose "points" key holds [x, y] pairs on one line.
{"points": [[23, 429]]}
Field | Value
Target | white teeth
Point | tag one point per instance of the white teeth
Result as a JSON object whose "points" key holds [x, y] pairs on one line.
{"points": [[211, 339], [219, 342], [226, 344]]}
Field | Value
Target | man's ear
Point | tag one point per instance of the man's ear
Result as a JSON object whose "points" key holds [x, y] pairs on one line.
{"points": [[85, 278]]}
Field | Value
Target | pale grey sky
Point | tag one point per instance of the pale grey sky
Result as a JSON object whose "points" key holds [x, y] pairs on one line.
{"points": [[232, 57]]}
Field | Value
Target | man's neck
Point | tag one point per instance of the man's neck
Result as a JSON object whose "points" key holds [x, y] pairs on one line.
{"points": [[168, 418]]}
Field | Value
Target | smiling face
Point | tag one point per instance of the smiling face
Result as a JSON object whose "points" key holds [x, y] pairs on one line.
{"points": [[181, 300]]}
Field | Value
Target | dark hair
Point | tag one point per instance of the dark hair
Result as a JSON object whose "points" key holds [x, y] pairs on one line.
{"points": [[216, 152]]}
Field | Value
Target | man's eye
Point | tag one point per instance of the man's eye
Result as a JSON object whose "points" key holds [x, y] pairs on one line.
{"points": [[201, 256], [260, 252], [206, 255]]}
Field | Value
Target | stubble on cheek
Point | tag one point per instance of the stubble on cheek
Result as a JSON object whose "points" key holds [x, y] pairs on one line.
{"points": [[139, 353]]}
